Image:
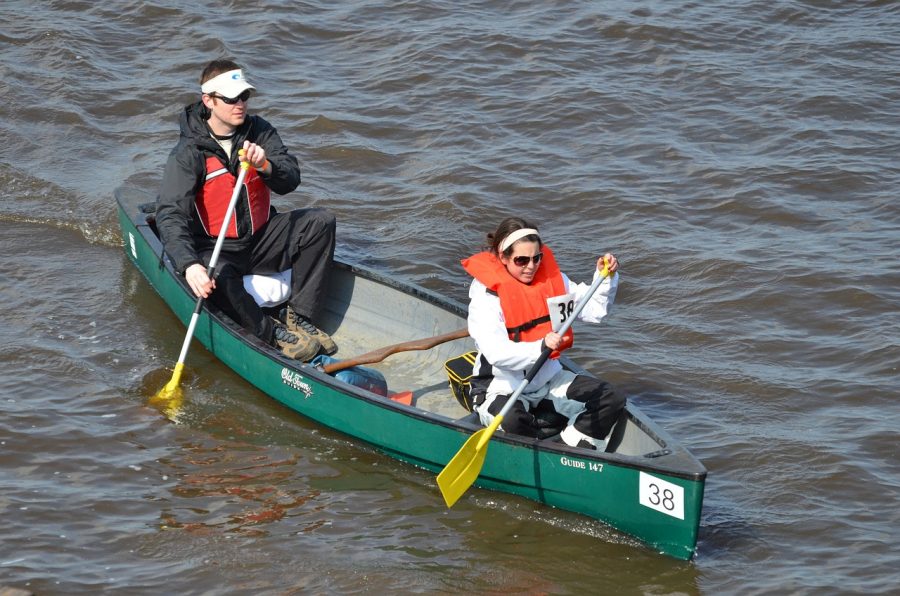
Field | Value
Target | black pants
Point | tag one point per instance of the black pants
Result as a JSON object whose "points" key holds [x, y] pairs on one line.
{"points": [[602, 402], [302, 241]]}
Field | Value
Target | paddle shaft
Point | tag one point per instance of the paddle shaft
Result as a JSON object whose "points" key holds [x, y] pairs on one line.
{"points": [[213, 261], [382, 353], [545, 353]]}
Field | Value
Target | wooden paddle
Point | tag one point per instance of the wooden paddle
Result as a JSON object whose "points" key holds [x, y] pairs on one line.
{"points": [[172, 390], [465, 466], [382, 353]]}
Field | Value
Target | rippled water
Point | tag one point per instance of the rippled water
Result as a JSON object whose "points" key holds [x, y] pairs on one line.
{"points": [[739, 158]]}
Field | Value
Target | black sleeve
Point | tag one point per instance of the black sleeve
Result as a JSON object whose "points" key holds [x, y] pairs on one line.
{"points": [[285, 176], [182, 179]]}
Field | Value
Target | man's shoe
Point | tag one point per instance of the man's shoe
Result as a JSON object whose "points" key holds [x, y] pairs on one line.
{"points": [[299, 346], [300, 324]]}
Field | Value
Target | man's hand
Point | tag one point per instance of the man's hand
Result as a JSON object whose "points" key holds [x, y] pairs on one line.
{"points": [[256, 157], [200, 283]]}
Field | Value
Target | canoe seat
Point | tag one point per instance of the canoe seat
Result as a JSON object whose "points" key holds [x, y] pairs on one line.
{"points": [[269, 290]]}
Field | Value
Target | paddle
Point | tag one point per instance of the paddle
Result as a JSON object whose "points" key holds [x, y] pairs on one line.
{"points": [[382, 353], [465, 466], [172, 389]]}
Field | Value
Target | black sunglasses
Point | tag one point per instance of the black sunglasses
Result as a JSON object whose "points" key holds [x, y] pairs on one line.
{"points": [[232, 100], [523, 260]]}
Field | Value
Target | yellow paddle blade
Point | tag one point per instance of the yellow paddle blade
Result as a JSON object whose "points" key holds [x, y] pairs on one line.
{"points": [[170, 407], [463, 469], [169, 400], [172, 390]]}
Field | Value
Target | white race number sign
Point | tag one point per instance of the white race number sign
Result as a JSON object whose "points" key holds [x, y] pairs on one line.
{"points": [[663, 496], [560, 309]]}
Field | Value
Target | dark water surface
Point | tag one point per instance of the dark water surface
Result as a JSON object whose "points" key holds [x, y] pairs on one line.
{"points": [[741, 160]]}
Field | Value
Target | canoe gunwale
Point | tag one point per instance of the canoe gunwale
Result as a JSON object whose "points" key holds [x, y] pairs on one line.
{"points": [[678, 464]]}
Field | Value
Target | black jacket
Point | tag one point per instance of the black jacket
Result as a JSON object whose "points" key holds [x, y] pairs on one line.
{"points": [[176, 215]]}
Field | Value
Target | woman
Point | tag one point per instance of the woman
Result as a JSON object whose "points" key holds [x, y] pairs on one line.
{"points": [[517, 298]]}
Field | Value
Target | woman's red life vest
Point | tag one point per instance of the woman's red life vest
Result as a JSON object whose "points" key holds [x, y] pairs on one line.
{"points": [[524, 305], [215, 194]]}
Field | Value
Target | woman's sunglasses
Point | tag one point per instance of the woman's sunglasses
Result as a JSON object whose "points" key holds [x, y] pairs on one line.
{"points": [[232, 100], [523, 260]]}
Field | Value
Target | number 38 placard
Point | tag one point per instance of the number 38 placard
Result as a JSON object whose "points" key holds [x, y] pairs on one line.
{"points": [[661, 495], [560, 308]]}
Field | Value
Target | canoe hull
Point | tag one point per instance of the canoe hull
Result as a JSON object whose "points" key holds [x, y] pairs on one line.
{"points": [[657, 499]]}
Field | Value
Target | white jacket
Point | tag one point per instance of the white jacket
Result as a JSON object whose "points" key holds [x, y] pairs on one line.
{"points": [[511, 361]]}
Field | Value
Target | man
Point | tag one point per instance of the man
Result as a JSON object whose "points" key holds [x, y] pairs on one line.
{"points": [[196, 189]]}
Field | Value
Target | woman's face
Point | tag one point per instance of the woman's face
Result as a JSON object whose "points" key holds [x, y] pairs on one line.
{"points": [[524, 260]]}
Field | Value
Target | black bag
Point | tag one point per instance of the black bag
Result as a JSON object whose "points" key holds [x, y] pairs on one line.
{"points": [[459, 370]]}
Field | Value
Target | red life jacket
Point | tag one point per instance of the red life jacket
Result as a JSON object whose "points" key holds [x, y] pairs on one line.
{"points": [[215, 194], [524, 305]]}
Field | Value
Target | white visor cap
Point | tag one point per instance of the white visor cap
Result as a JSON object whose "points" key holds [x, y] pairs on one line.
{"points": [[228, 84]]}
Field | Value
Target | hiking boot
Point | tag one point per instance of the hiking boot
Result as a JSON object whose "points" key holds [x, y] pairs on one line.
{"points": [[299, 346], [301, 324]]}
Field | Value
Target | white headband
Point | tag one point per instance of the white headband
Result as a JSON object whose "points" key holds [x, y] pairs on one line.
{"points": [[509, 240]]}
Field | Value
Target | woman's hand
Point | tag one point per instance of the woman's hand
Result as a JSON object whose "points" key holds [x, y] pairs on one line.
{"points": [[552, 340], [609, 261]]}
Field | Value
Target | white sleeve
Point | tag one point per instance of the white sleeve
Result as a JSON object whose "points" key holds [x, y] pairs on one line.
{"points": [[487, 326], [602, 301]]}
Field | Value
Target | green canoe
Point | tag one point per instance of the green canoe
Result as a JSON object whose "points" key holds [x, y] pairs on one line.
{"points": [[646, 484]]}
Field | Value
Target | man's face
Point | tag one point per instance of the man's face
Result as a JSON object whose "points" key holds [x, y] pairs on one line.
{"points": [[225, 117]]}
